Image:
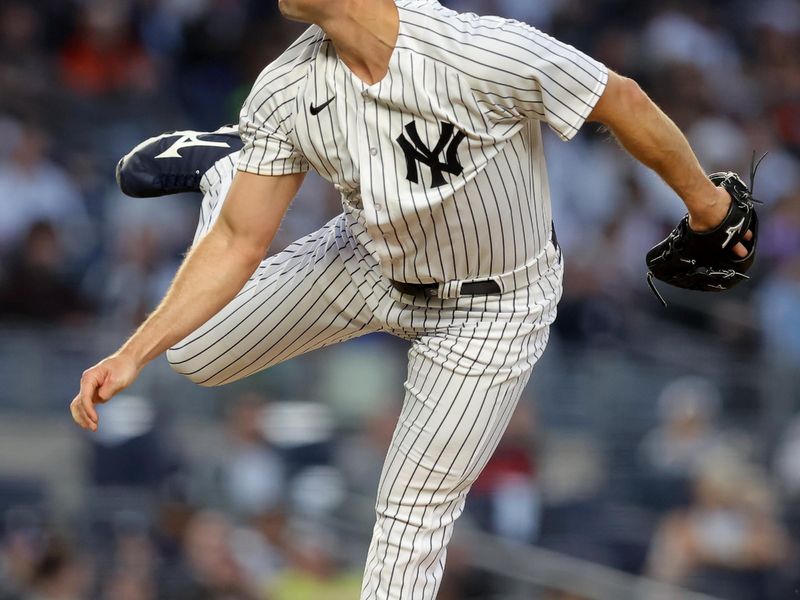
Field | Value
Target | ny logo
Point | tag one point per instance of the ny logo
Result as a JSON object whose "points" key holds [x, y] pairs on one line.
{"points": [[417, 152]]}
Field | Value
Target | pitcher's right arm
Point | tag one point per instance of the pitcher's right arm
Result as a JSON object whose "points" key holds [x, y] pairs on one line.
{"points": [[213, 272]]}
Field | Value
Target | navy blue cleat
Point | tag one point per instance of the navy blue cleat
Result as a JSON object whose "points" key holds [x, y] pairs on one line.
{"points": [[174, 162]]}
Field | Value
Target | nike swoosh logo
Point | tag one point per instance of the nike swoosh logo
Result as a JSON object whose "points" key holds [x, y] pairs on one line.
{"points": [[315, 110]]}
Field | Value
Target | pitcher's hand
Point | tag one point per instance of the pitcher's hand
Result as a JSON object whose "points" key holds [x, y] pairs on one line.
{"points": [[99, 384], [713, 214]]}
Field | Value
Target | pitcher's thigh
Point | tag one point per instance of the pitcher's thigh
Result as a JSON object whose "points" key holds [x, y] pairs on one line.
{"points": [[299, 300]]}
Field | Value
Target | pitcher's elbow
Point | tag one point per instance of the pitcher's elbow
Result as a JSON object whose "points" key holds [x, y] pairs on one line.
{"points": [[632, 96], [623, 99]]}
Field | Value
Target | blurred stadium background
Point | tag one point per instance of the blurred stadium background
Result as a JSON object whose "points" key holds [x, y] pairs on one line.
{"points": [[652, 445]]}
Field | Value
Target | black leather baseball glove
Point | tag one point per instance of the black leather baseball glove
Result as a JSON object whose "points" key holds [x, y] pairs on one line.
{"points": [[705, 261]]}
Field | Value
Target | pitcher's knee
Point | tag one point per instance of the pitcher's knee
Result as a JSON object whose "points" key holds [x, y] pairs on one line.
{"points": [[180, 360], [432, 509]]}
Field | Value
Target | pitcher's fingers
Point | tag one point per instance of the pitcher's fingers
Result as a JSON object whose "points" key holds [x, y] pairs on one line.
{"points": [[74, 413], [75, 408], [739, 249], [85, 421], [89, 385]]}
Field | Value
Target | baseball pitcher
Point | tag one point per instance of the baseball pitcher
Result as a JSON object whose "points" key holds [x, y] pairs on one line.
{"points": [[428, 123]]}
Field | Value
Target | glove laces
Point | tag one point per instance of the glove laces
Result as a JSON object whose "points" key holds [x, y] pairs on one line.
{"points": [[754, 165]]}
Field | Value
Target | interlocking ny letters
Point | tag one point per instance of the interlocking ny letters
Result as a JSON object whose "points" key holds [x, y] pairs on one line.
{"points": [[417, 152]]}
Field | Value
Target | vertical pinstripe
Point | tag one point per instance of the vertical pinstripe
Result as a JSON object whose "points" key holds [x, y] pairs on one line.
{"points": [[494, 81]]}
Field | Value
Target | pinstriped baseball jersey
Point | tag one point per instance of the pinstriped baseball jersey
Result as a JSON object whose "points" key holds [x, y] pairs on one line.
{"points": [[440, 164]]}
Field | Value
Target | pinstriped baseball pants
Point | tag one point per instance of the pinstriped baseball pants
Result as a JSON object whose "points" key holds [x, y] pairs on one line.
{"points": [[469, 361]]}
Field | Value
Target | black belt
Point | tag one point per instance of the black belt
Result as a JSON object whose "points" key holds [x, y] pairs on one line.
{"points": [[469, 288]]}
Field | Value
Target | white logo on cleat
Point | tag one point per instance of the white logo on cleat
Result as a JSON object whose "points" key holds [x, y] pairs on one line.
{"points": [[189, 140]]}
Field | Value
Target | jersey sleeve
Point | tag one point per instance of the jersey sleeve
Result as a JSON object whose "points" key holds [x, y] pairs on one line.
{"points": [[267, 117], [529, 75]]}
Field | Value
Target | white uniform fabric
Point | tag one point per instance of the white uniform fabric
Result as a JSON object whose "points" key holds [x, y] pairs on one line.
{"points": [[470, 359], [440, 164], [443, 180]]}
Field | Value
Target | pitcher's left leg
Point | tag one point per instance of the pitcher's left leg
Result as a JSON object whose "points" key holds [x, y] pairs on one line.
{"points": [[461, 391]]}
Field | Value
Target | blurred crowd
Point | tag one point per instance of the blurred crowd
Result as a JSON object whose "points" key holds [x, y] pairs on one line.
{"points": [[276, 504], [278, 508], [158, 526], [696, 496]]}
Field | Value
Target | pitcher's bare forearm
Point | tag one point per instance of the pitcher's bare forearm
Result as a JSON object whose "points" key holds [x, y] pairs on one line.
{"points": [[212, 274], [215, 270], [653, 139]]}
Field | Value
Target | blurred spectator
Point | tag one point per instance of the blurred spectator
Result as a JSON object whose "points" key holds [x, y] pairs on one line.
{"points": [[25, 69], [720, 144], [778, 28], [506, 498], [171, 519], [133, 280], [787, 463], [361, 455], [315, 569], [687, 408], [678, 36], [102, 57], [253, 472], [210, 570], [461, 581], [582, 206], [32, 188], [727, 542], [303, 432], [208, 73], [18, 553], [778, 300], [671, 453], [60, 573], [781, 230], [379, 378], [132, 574], [261, 547], [126, 585], [36, 287], [131, 450]]}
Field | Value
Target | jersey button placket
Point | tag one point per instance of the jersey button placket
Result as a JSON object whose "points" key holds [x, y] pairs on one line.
{"points": [[368, 151]]}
